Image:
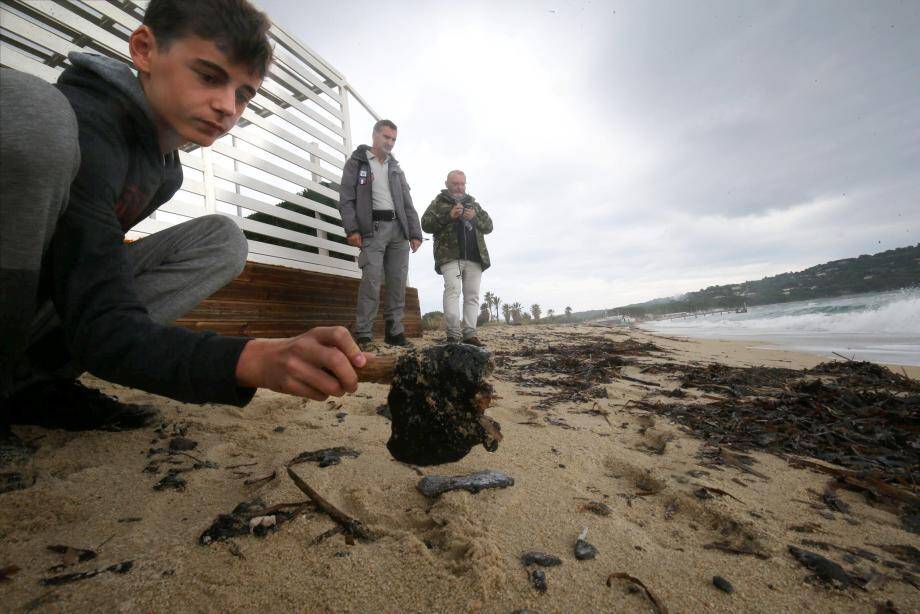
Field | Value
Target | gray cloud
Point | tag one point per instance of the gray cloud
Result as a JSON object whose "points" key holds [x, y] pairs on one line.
{"points": [[628, 150]]}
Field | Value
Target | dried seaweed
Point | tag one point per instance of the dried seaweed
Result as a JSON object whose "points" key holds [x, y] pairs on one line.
{"points": [[575, 369], [857, 415], [659, 605], [237, 522], [123, 567], [826, 570], [325, 457]]}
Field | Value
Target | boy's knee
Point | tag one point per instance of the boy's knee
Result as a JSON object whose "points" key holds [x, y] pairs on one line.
{"points": [[40, 133], [231, 241]]}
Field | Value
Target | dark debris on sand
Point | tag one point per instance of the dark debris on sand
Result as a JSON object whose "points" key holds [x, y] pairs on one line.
{"points": [[326, 456], [575, 366], [858, 415], [239, 521]]}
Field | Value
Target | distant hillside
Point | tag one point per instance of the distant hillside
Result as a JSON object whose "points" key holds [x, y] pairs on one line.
{"points": [[889, 270]]}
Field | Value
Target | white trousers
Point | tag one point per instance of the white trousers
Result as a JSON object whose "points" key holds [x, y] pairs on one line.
{"points": [[461, 275]]}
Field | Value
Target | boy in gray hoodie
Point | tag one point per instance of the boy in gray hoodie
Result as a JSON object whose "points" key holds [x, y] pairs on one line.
{"points": [[83, 162]]}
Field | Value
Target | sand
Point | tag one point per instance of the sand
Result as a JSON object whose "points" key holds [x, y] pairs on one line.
{"points": [[457, 553]]}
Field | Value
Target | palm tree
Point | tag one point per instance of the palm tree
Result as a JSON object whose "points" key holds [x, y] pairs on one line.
{"points": [[535, 311], [568, 311], [506, 311], [487, 297], [516, 312], [496, 301], [549, 313]]}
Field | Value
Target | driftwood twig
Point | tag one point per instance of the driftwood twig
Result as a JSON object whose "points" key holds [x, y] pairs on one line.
{"points": [[656, 602], [350, 525]]}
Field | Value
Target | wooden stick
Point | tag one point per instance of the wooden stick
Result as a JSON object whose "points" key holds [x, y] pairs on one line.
{"points": [[378, 370], [350, 525]]}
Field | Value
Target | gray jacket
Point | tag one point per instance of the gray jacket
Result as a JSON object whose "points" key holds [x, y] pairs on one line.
{"points": [[356, 203]]}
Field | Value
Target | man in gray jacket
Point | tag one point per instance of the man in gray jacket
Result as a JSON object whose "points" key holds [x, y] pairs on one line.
{"points": [[379, 218]]}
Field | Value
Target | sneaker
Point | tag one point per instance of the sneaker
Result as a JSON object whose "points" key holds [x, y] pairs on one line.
{"points": [[452, 340], [69, 405], [365, 343], [17, 470], [474, 340], [398, 340]]}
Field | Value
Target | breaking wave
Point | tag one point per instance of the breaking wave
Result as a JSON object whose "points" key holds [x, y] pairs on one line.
{"points": [[888, 313]]}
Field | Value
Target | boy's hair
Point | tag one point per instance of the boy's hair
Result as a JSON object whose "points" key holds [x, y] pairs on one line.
{"points": [[384, 123], [235, 26]]}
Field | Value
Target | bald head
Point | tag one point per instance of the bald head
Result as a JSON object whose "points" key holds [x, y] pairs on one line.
{"points": [[456, 183]]}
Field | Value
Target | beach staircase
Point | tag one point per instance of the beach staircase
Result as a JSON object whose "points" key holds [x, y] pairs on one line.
{"points": [[274, 301]]}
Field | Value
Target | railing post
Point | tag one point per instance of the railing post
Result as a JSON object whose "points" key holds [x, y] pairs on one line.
{"points": [[346, 120], [322, 234], [207, 163]]}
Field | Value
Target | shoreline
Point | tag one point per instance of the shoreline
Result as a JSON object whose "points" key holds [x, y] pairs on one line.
{"points": [[459, 552], [757, 345]]}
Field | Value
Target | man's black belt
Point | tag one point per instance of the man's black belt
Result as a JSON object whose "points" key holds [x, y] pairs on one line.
{"points": [[384, 215]]}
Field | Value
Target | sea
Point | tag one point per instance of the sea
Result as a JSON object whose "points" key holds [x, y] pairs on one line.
{"points": [[881, 327]]}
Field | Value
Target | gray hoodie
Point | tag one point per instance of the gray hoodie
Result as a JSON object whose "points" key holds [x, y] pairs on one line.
{"points": [[123, 178]]}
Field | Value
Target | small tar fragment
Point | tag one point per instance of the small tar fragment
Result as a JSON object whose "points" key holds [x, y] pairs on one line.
{"points": [[702, 493], [182, 444], [170, 481], [540, 558], [538, 579], [722, 584], [597, 507], [583, 550], [434, 485]]}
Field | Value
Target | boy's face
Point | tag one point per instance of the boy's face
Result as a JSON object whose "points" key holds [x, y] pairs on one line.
{"points": [[195, 92]]}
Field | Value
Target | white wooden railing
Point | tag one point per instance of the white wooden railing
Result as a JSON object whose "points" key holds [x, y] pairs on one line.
{"points": [[289, 147]]}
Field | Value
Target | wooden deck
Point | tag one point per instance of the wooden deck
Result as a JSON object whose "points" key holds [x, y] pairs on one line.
{"points": [[274, 301]]}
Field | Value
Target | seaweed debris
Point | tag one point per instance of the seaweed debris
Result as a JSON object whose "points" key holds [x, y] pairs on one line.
{"points": [[857, 415], [575, 369], [240, 520]]}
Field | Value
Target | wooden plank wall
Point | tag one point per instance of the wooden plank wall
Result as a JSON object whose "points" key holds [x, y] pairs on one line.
{"points": [[274, 301]]}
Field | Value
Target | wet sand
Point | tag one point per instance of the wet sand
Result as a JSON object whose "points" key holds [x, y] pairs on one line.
{"points": [[457, 553]]}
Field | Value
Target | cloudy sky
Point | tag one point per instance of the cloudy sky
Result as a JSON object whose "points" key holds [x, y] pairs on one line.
{"points": [[633, 150]]}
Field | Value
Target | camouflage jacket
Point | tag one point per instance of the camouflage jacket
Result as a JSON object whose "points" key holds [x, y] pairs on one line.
{"points": [[438, 222]]}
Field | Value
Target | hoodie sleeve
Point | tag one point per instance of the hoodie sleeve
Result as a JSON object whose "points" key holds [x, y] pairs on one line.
{"points": [[108, 330], [348, 197]]}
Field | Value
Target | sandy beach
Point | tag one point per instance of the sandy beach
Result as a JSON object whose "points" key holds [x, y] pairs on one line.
{"points": [[460, 552]]}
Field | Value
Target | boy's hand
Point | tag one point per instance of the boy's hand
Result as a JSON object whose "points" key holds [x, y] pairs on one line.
{"points": [[319, 363], [354, 239]]}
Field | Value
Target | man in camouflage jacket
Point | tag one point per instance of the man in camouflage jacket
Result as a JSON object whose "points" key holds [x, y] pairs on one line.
{"points": [[458, 224]]}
